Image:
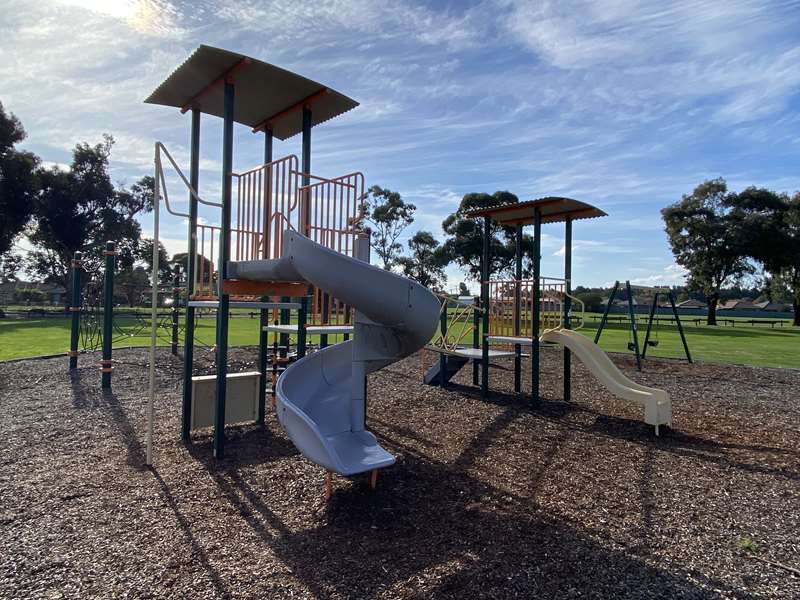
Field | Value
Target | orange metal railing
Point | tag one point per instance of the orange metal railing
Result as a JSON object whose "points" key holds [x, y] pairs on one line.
{"points": [[511, 306]]}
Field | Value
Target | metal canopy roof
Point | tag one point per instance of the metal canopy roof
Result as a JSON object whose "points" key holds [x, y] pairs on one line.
{"points": [[266, 96], [552, 209]]}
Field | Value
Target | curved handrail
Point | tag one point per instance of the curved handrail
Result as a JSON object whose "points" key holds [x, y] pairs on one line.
{"points": [[159, 148]]}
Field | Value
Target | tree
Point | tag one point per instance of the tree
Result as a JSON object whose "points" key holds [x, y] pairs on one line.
{"points": [[427, 261], [10, 264], [18, 181], [202, 263], [165, 266], [465, 244], [708, 239], [132, 283], [772, 225], [463, 290], [80, 209], [389, 215]]}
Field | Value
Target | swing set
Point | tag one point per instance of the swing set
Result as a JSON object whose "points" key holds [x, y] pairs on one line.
{"points": [[651, 333]]}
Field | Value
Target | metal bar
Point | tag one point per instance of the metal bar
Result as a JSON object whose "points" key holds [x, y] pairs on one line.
{"points": [[224, 255], [305, 103], [443, 331], [75, 309], [680, 327], [653, 306], [191, 274], [517, 307], [633, 326], [567, 306], [605, 312], [476, 330], [485, 273], [108, 313], [537, 264], [175, 313], [302, 332], [263, 336]]}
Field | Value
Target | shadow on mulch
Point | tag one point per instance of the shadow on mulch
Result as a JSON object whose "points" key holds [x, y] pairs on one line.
{"points": [[473, 540]]}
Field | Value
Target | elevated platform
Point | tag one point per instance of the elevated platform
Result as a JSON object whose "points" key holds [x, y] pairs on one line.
{"points": [[471, 353], [245, 304]]}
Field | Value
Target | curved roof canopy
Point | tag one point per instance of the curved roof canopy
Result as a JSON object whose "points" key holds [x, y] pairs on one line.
{"points": [[553, 210], [267, 97]]}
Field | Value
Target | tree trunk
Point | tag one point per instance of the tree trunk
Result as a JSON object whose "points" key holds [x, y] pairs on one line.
{"points": [[796, 306], [712, 310]]}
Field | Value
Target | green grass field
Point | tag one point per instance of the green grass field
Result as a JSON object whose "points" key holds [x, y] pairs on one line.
{"points": [[757, 345]]}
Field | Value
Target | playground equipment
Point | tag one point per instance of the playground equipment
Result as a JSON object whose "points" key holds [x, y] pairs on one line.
{"points": [[513, 313], [259, 208], [641, 351], [321, 398]]}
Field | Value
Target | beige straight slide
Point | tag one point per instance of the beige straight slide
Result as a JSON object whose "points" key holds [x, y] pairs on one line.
{"points": [[657, 404]]}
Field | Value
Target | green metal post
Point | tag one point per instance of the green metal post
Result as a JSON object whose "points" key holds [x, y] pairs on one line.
{"points": [[108, 314], [443, 331], [517, 306], [485, 273], [680, 327], [605, 312], [191, 263], [176, 313], [285, 318], [223, 311], [633, 326], [476, 338], [263, 336], [567, 306], [537, 264], [302, 335], [649, 324], [75, 310]]}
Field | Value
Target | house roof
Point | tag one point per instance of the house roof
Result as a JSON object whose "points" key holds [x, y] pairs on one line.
{"points": [[267, 97], [552, 208]]}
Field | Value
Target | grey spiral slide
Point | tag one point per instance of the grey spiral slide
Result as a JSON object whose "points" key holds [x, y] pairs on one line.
{"points": [[320, 398]]}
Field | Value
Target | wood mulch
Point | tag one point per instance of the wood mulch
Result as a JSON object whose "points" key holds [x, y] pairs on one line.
{"points": [[488, 499]]}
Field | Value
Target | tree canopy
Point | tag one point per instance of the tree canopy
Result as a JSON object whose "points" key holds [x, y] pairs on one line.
{"points": [[427, 261], [389, 215], [708, 238], [18, 184], [80, 209], [464, 244]]}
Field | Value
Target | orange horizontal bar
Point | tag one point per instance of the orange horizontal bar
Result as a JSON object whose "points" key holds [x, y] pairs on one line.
{"points": [[293, 289], [226, 76], [307, 101]]}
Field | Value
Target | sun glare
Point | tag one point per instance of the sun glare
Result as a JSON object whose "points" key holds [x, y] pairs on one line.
{"points": [[142, 15]]}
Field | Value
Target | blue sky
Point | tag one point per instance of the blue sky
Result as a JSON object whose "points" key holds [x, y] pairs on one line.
{"points": [[626, 105]]}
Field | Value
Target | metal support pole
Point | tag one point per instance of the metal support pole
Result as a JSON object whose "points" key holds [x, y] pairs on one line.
{"points": [[306, 167], [263, 336], [285, 318], [649, 324], [567, 306], [108, 314], [223, 311], [176, 313], [485, 273], [75, 310], [537, 264], [605, 312], [680, 327], [191, 274], [517, 307], [476, 337], [442, 357], [302, 334], [633, 326]]}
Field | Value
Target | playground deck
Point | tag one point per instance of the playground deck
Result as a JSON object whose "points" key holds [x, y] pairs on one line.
{"points": [[488, 499]]}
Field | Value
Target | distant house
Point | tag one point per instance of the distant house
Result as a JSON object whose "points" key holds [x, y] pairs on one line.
{"points": [[767, 305], [692, 303], [9, 292], [740, 304]]}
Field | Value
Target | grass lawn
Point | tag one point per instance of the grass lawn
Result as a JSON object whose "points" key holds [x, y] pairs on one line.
{"points": [[757, 345]]}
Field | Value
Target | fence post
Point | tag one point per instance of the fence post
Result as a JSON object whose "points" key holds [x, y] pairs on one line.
{"points": [[176, 282], [75, 309], [108, 314]]}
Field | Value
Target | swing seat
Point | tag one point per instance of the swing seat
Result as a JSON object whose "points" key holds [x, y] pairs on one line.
{"points": [[631, 346], [652, 343]]}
